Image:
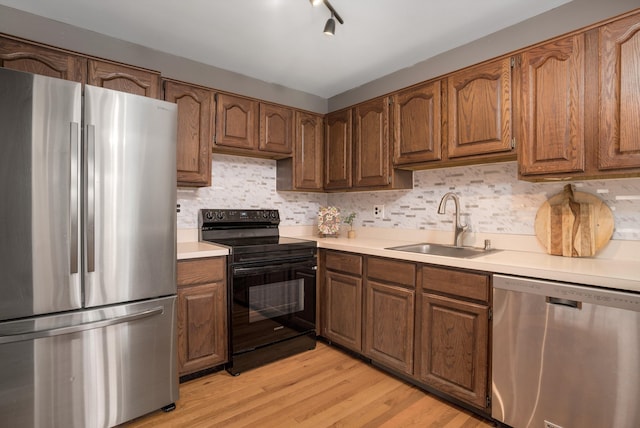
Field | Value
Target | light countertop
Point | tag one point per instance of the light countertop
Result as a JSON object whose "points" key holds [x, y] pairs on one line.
{"points": [[616, 273], [195, 249]]}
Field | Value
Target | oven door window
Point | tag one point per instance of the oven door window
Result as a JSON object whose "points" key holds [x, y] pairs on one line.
{"points": [[272, 303]]}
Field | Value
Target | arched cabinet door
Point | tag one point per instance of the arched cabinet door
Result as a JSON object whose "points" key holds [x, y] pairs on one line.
{"points": [[196, 109], [123, 78], [619, 94], [32, 58], [552, 136]]}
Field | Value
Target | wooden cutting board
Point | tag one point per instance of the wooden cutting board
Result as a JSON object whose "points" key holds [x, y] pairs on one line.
{"points": [[574, 224]]}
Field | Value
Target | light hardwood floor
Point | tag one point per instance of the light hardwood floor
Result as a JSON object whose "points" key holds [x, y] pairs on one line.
{"points": [[324, 387]]}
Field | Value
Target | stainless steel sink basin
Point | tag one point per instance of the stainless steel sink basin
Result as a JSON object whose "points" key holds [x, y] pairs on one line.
{"points": [[443, 250]]}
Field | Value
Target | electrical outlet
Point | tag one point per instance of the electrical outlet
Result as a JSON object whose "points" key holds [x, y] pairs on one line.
{"points": [[378, 211]]}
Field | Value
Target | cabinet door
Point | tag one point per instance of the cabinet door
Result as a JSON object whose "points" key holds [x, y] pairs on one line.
{"points": [[552, 134], [276, 129], [338, 150], [195, 132], [620, 94], [453, 356], [343, 310], [202, 314], [479, 102], [36, 59], [308, 151], [202, 337], [124, 79], [371, 144], [417, 124], [236, 122], [389, 321]]}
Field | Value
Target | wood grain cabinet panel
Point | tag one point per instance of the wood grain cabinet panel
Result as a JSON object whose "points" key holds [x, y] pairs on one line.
{"points": [[620, 94], [552, 134], [479, 103], [31, 58], [123, 78], [196, 109], [342, 299], [371, 143], [305, 170], [202, 314], [452, 333], [389, 313], [454, 354], [276, 129], [417, 127], [338, 150], [237, 122]]}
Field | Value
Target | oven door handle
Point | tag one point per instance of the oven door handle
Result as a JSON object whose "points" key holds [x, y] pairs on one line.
{"points": [[257, 270]]}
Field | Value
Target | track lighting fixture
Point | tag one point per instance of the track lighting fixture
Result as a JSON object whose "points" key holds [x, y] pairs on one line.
{"points": [[330, 26]]}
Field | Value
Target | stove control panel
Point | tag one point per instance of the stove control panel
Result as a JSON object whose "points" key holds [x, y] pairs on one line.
{"points": [[248, 217]]}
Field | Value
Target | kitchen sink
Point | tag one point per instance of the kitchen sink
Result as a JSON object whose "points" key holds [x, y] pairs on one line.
{"points": [[443, 250]]}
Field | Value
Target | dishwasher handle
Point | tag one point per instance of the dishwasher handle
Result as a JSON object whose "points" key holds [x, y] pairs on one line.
{"points": [[564, 302]]}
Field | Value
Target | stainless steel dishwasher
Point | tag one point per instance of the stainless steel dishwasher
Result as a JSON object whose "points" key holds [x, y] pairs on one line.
{"points": [[564, 355]]}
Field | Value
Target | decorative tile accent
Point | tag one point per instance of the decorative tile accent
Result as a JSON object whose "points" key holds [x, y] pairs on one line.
{"points": [[492, 200]]}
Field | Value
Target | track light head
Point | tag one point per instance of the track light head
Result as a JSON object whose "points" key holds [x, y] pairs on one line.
{"points": [[315, 2], [330, 27]]}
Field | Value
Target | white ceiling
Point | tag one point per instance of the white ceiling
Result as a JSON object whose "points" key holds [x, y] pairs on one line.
{"points": [[281, 41]]}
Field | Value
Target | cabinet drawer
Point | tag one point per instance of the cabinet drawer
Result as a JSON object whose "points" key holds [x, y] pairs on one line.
{"points": [[392, 271], [467, 285], [201, 271], [344, 262]]}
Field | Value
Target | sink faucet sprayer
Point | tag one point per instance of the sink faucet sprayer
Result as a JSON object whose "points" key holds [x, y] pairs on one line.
{"points": [[459, 229]]}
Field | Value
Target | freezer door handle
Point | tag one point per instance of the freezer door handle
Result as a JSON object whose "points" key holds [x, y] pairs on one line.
{"points": [[74, 197], [39, 334], [91, 188]]}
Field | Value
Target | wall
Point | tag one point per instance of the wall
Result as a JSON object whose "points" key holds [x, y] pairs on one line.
{"points": [[569, 17], [492, 199]]}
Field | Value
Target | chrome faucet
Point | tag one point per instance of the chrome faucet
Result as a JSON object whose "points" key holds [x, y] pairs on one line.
{"points": [[458, 229]]}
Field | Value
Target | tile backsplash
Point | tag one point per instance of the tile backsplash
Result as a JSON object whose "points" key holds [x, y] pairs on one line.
{"points": [[492, 200]]}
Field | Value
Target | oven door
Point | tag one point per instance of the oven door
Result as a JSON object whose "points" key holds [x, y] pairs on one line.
{"points": [[272, 303]]}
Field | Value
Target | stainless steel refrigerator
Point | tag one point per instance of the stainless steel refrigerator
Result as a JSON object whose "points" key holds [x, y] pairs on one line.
{"points": [[87, 254]]}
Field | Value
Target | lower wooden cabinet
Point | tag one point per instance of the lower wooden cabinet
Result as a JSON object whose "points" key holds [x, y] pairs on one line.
{"points": [[389, 313], [452, 334], [342, 298], [202, 314], [427, 322]]}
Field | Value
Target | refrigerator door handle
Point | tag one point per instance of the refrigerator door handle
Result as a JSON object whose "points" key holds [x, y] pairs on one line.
{"points": [[74, 197], [39, 334], [91, 187]]}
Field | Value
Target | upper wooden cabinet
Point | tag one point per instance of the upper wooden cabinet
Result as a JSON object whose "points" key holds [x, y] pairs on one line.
{"points": [[305, 170], [196, 109], [36, 59], [417, 124], [552, 131], [337, 158], [357, 149], [276, 129], [123, 78], [479, 109], [619, 94], [248, 127], [371, 144], [237, 122]]}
